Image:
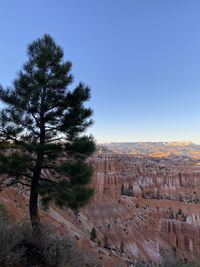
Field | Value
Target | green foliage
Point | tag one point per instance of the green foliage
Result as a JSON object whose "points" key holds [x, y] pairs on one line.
{"points": [[81, 147], [93, 234], [63, 195], [4, 214], [14, 164], [78, 171]]}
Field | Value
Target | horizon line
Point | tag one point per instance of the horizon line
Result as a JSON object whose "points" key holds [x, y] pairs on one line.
{"points": [[126, 142]]}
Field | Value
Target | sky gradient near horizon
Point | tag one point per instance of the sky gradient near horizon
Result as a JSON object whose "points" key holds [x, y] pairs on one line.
{"points": [[141, 59]]}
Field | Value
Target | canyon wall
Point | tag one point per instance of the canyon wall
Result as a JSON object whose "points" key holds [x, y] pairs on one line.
{"points": [[152, 204], [144, 210]]}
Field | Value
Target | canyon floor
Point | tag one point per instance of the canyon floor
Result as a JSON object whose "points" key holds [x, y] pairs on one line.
{"points": [[145, 209]]}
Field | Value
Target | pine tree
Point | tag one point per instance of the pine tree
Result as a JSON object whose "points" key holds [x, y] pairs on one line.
{"points": [[98, 243], [43, 123], [105, 241], [93, 234], [121, 248]]}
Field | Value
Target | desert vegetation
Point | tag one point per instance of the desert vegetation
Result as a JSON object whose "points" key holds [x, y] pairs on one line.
{"points": [[19, 248]]}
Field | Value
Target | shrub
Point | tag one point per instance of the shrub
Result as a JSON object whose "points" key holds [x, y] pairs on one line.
{"points": [[50, 250], [4, 213], [181, 263], [18, 248], [11, 252]]}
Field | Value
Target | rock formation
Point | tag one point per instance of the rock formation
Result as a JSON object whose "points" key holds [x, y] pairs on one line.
{"points": [[150, 205]]}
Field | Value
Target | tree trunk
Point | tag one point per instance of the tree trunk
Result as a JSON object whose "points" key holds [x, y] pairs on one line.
{"points": [[33, 207], [33, 200], [34, 192]]}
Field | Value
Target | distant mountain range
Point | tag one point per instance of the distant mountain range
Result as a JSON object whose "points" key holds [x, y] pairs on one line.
{"points": [[154, 149]]}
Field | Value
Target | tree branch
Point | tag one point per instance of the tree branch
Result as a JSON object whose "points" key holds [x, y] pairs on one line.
{"points": [[48, 180], [14, 182], [53, 140]]}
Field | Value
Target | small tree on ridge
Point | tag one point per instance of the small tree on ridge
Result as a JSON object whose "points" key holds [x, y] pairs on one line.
{"points": [[93, 234]]}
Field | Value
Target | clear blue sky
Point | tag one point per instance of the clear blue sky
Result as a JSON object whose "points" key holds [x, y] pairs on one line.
{"points": [[140, 57]]}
